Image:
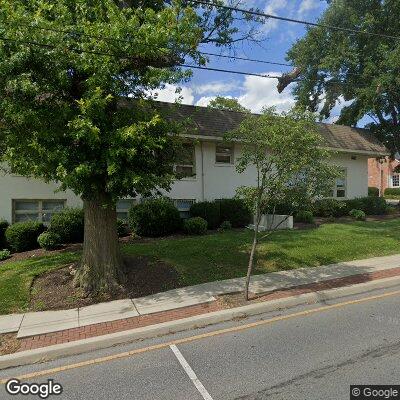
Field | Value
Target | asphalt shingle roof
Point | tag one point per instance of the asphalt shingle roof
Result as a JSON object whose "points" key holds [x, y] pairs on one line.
{"points": [[213, 122]]}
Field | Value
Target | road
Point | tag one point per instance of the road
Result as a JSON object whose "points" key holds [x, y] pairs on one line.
{"points": [[308, 352]]}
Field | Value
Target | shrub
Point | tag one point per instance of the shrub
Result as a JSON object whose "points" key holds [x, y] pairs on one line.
{"points": [[49, 240], [330, 208], [210, 211], [373, 191], [235, 211], [195, 226], [122, 228], [225, 226], [4, 254], [3, 226], [359, 215], [69, 225], [370, 205], [392, 192], [305, 216], [23, 236], [155, 217]]}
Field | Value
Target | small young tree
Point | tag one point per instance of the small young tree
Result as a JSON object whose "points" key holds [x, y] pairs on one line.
{"points": [[290, 163]]}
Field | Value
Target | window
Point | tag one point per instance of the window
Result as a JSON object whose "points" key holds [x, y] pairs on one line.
{"points": [[224, 154], [396, 180], [340, 190], [185, 167], [36, 210], [123, 207], [183, 206]]}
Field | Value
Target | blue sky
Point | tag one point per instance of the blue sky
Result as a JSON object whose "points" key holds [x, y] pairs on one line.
{"points": [[253, 92]]}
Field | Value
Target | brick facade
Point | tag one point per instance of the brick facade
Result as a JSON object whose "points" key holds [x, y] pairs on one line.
{"points": [[380, 173]]}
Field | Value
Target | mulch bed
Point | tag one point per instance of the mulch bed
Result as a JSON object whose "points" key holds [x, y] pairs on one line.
{"points": [[9, 343], [145, 276]]}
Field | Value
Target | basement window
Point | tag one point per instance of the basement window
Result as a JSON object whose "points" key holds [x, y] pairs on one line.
{"points": [[36, 210], [123, 207]]}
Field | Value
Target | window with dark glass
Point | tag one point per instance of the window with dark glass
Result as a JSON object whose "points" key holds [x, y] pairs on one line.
{"points": [[185, 167], [224, 154]]}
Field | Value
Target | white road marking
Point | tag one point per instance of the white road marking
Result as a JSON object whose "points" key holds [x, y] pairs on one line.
{"points": [[191, 373]]}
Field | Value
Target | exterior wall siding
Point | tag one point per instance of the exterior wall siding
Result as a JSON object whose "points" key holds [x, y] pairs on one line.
{"points": [[212, 181]]}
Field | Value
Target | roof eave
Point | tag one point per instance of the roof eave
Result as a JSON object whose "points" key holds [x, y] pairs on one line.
{"points": [[371, 153]]}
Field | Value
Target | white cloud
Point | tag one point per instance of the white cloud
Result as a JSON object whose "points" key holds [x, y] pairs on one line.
{"points": [[262, 92], [172, 93], [205, 101], [217, 87], [308, 5], [272, 7]]}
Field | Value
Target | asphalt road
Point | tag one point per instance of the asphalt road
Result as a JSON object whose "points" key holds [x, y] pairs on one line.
{"points": [[309, 356]]}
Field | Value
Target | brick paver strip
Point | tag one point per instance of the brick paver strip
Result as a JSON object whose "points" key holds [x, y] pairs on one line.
{"points": [[156, 318]]}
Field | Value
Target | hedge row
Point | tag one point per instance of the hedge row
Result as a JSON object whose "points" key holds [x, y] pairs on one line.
{"points": [[339, 208], [373, 191], [392, 192], [218, 211]]}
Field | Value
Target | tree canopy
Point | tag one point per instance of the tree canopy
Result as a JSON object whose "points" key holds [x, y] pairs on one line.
{"points": [[361, 69], [227, 103], [73, 74]]}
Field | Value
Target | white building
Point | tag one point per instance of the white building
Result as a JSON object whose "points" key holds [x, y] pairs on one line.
{"points": [[209, 168]]}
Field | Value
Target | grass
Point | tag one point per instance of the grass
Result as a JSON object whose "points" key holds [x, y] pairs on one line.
{"points": [[224, 255], [16, 279]]}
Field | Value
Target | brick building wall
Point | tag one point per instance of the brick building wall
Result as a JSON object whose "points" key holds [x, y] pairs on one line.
{"points": [[381, 172]]}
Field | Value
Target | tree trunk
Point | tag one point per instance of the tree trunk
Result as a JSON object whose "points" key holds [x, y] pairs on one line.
{"points": [[101, 266], [252, 256]]}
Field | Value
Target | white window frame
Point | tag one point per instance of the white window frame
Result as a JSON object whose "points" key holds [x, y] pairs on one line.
{"points": [[335, 190], [40, 210], [392, 180], [231, 155], [193, 165]]}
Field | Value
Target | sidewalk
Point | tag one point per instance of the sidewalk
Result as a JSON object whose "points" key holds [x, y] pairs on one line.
{"points": [[46, 328]]}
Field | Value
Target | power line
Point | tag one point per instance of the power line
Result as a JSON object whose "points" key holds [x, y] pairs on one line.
{"points": [[230, 71], [297, 21], [247, 59]]}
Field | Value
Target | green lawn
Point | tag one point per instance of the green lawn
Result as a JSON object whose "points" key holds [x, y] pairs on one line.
{"points": [[224, 255], [16, 279]]}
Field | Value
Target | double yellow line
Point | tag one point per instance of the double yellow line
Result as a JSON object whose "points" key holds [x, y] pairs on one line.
{"points": [[198, 337]]}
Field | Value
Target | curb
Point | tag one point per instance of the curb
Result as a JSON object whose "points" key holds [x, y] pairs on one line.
{"points": [[101, 342]]}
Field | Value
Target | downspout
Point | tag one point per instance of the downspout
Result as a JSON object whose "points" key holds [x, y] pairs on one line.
{"points": [[202, 172]]}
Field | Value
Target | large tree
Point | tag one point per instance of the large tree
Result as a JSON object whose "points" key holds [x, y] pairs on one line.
{"points": [[64, 67], [360, 68]]}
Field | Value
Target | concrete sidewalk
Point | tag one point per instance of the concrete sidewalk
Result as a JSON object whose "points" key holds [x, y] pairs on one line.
{"points": [[38, 323]]}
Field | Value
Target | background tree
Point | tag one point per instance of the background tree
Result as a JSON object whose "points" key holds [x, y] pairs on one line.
{"points": [[359, 68], [226, 103], [64, 66], [291, 166]]}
